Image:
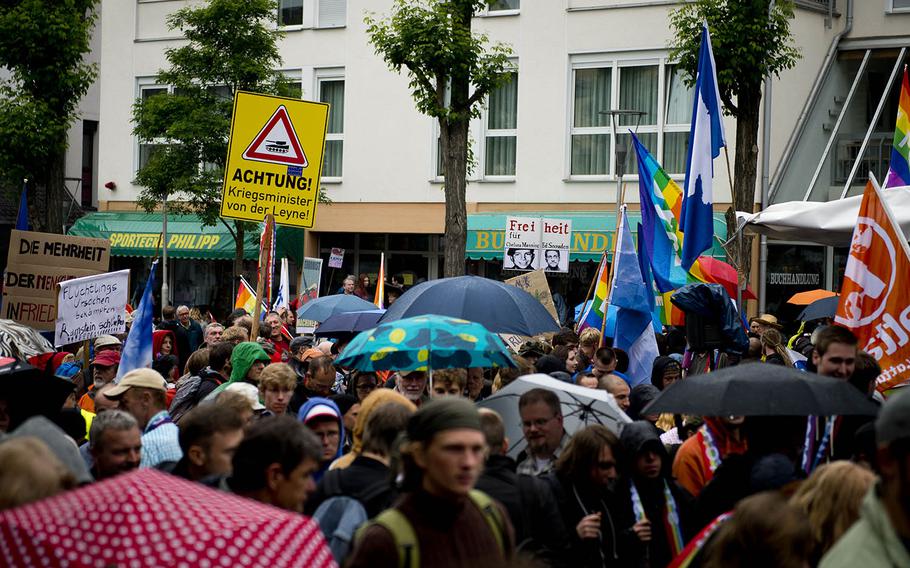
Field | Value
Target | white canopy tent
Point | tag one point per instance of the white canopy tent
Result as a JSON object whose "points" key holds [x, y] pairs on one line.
{"points": [[827, 223]]}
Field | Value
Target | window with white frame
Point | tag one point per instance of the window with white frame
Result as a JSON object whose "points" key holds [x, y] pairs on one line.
{"points": [[503, 6], [148, 149], [290, 13], [653, 87], [332, 13], [900, 6], [501, 134], [330, 88]]}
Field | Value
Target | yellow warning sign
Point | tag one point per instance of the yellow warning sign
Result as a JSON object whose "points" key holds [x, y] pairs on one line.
{"points": [[274, 159]]}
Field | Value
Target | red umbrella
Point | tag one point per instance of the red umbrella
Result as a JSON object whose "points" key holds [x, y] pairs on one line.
{"points": [[150, 518], [719, 272]]}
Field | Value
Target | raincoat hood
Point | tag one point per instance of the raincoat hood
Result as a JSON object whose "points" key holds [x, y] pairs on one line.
{"points": [[637, 435], [242, 358], [158, 338], [660, 367]]}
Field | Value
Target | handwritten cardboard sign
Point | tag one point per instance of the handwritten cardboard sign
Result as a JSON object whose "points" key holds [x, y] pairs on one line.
{"points": [[535, 283], [91, 306]]}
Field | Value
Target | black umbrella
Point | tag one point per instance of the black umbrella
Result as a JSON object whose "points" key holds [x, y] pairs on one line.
{"points": [[819, 309], [761, 389], [499, 307], [29, 392]]}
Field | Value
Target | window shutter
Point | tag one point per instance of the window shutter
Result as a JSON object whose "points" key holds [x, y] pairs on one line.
{"points": [[332, 13]]}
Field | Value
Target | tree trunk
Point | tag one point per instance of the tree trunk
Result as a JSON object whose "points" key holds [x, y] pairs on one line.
{"points": [[455, 157], [45, 197], [745, 172]]}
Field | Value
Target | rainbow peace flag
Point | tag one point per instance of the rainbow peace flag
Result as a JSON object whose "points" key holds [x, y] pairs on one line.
{"points": [[595, 311], [246, 298], [899, 168]]}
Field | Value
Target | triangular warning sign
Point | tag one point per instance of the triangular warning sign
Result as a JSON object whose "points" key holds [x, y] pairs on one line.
{"points": [[277, 142]]}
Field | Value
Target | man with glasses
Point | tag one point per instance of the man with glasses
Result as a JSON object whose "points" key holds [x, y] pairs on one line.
{"points": [[364, 384], [541, 423]]}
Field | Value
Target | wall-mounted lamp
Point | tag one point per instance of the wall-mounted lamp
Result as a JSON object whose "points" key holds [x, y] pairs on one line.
{"points": [[111, 185]]}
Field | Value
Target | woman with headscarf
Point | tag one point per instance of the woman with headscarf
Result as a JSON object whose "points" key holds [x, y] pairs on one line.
{"points": [[374, 400]]}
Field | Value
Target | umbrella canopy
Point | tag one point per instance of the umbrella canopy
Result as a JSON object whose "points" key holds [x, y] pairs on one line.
{"points": [[29, 392], [760, 389], [499, 307], [323, 308], [809, 296], [350, 322], [149, 518], [580, 407], [416, 343], [21, 341], [819, 309], [719, 272]]}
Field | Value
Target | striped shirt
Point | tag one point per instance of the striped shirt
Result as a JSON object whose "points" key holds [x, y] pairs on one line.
{"points": [[159, 441]]}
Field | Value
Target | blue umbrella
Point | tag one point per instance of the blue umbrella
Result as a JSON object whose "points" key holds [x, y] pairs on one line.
{"points": [[499, 307], [350, 322], [323, 308], [423, 343]]}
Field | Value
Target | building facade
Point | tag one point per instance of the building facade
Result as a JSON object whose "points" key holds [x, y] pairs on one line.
{"points": [[544, 143]]}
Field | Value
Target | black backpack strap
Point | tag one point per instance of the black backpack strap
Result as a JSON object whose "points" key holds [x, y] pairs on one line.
{"points": [[331, 483]]}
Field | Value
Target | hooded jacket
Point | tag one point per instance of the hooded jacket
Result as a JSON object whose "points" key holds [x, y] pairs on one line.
{"points": [[301, 415], [242, 358], [660, 367], [636, 438], [375, 399], [871, 542], [158, 338]]}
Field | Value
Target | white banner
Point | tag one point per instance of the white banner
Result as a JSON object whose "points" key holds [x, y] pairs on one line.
{"points": [[91, 306], [535, 243]]}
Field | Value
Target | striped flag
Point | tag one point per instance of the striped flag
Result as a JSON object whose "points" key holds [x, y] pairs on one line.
{"points": [[246, 298], [595, 310], [267, 258], [899, 168], [284, 287], [706, 138], [379, 298]]}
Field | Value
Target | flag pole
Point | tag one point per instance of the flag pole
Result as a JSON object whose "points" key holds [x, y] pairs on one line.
{"points": [[254, 333], [603, 258], [606, 309]]}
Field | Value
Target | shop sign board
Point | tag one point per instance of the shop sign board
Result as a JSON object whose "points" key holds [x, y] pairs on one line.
{"points": [[533, 243], [91, 306], [37, 263], [274, 160], [336, 259], [535, 283]]}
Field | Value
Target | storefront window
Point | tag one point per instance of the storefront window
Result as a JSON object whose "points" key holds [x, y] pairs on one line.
{"points": [[792, 268]]}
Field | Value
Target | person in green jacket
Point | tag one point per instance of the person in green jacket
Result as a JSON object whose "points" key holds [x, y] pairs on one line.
{"points": [[248, 360], [881, 536]]}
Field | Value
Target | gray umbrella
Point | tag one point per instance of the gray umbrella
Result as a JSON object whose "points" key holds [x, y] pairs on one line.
{"points": [[580, 407], [760, 389]]}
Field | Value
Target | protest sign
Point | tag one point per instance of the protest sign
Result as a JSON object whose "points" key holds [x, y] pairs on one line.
{"points": [[533, 243], [310, 277], [556, 236], [91, 306], [513, 342], [336, 259], [274, 159], [535, 283], [37, 262], [875, 293]]}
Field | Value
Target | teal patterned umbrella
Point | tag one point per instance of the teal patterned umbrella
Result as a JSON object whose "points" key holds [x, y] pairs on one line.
{"points": [[425, 342]]}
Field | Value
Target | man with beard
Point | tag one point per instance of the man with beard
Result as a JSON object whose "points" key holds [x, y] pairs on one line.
{"points": [[412, 385]]}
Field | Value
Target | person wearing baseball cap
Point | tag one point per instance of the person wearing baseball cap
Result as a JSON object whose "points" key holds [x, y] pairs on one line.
{"points": [[881, 536], [143, 393], [103, 369], [324, 419], [448, 518]]}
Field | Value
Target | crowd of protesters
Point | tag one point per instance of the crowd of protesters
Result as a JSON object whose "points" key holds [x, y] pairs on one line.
{"points": [[403, 469]]}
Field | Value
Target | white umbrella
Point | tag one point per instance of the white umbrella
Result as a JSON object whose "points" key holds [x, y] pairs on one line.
{"points": [[21, 341], [581, 407]]}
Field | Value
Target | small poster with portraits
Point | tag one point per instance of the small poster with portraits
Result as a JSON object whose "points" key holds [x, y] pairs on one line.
{"points": [[535, 243]]}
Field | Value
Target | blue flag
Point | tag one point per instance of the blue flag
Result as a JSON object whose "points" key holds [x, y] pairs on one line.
{"points": [[22, 217], [706, 138], [633, 301], [137, 349]]}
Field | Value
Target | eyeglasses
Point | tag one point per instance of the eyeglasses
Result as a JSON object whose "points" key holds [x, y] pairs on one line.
{"points": [[540, 422]]}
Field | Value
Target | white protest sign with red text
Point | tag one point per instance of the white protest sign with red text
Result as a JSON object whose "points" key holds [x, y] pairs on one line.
{"points": [[875, 294]]}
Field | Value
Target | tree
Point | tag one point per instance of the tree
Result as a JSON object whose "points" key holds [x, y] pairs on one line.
{"points": [[750, 43], [232, 46], [432, 39], [42, 44]]}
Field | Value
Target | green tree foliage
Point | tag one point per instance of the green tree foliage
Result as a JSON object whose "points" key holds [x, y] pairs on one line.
{"points": [[42, 44], [750, 43], [231, 46], [451, 70]]}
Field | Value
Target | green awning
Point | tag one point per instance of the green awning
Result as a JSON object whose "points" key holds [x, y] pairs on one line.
{"points": [[138, 234], [592, 233]]}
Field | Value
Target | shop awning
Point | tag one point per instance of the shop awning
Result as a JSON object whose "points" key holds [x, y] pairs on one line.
{"points": [[138, 234], [592, 233]]}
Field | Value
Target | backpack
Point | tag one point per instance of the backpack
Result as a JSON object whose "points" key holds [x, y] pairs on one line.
{"points": [[187, 396], [394, 521], [340, 516]]}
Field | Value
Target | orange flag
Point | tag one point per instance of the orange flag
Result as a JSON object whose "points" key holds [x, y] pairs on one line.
{"points": [[875, 293], [379, 298]]}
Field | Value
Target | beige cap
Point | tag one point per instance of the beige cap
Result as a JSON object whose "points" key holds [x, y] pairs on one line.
{"points": [[249, 392], [106, 340], [144, 378]]}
